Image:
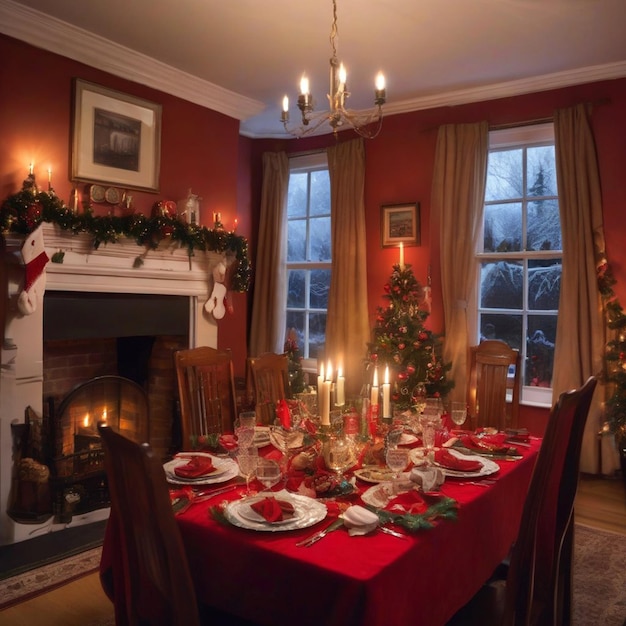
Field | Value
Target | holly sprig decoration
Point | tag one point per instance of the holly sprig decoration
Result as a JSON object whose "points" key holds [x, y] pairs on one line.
{"points": [[23, 211], [444, 508]]}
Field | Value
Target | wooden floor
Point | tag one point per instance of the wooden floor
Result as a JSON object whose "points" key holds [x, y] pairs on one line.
{"points": [[600, 503]]}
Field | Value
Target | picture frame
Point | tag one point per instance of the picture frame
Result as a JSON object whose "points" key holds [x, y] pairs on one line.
{"points": [[400, 223], [116, 138]]}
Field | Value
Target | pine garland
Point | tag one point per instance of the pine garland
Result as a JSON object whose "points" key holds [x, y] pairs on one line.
{"points": [[445, 508], [22, 212], [615, 355]]}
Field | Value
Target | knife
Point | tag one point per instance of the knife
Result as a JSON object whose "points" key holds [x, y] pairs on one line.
{"points": [[309, 541]]}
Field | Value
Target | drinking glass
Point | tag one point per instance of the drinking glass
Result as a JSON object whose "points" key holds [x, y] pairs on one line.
{"points": [[248, 459], [458, 412], [268, 473], [339, 454], [418, 397], [430, 421], [397, 459], [245, 428]]}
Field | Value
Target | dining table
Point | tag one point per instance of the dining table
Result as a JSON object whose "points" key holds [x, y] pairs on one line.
{"points": [[420, 578]]}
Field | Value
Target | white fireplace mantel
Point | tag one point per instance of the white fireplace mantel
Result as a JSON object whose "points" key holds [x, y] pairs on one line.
{"points": [[112, 268]]}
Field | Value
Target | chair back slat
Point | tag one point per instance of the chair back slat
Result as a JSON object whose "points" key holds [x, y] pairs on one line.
{"points": [[206, 390], [268, 382]]}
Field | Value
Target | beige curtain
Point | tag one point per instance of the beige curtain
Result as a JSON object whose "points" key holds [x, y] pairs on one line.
{"points": [[457, 207], [269, 316], [347, 325], [580, 305]]}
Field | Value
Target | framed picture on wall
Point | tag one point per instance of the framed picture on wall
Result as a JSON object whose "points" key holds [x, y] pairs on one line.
{"points": [[400, 223], [116, 138]]}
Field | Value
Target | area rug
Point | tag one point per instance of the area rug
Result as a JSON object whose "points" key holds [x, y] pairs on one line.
{"points": [[46, 578], [599, 586]]}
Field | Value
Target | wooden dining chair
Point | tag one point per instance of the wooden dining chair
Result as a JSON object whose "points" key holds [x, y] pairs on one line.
{"points": [[206, 390], [489, 383], [268, 382], [537, 588], [151, 582]]}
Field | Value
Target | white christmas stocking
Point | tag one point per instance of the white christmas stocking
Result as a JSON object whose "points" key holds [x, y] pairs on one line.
{"points": [[35, 261]]}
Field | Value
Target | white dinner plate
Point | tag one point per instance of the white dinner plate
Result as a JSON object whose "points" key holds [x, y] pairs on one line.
{"points": [[309, 511], [248, 513], [225, 469], [488, 466]]}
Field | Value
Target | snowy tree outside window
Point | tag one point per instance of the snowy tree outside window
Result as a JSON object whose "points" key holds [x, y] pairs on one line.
{"points": [[519, 254]]}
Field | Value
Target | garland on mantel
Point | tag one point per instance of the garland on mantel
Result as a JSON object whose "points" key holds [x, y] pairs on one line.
{"points": [[22, 212]]}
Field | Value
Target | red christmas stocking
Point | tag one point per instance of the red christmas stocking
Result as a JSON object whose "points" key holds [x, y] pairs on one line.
{"points": [[35, 261]]}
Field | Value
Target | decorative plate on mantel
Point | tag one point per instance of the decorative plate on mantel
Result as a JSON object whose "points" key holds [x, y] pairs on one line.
{"points": [[97, 193]]}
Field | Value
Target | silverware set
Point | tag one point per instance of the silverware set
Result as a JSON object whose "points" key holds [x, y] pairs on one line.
{"points": [[338, 523]]}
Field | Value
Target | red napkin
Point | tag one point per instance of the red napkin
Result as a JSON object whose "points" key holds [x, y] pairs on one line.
{"points": [[411, 501], [228, 442], [486, 443], [196, 466], [446, 459], [282, 411], [273, 510]]}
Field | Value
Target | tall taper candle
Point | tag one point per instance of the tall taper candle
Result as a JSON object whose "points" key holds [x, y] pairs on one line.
{"points": [[386, 392], [374, 390], [341, 389]]}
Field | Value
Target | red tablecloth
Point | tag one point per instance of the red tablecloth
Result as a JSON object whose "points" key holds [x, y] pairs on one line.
{"points": [[375, 580]]}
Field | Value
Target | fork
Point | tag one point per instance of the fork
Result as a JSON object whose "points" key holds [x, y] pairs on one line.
{"points": [[315, 537]]}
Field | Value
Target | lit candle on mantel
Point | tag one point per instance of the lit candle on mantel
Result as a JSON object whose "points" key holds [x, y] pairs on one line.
{"points": [[374, 390], [30, 169], [401, 262], [386, 394], [341, 389]]}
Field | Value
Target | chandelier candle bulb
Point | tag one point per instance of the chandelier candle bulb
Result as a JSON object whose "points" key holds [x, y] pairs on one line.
{"points": [[30, 169], [285, 114], [386, 394], [380, 96]]}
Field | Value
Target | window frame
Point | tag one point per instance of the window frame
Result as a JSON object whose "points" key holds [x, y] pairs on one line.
{"points": [[521, 136], [307, 163]]}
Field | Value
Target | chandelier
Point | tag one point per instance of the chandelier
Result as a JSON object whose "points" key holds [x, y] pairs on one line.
{"points": [[366, 123]]}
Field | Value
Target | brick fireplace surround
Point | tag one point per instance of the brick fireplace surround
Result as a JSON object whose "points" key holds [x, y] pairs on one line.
{"points": [[167, 271]]}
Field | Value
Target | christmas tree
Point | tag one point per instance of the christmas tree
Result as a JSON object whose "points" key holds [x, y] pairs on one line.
{"points": [[297, 383], [400, 341]]}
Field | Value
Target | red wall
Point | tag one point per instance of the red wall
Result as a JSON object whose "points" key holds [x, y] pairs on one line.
{"points": [[199, 147]]}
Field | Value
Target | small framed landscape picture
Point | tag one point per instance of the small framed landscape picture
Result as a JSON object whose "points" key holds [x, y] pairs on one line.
{"points": [[116, 138], [400, 223]]}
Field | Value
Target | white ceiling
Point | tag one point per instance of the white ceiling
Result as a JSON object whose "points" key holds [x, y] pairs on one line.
{"points": [[241, 56]]}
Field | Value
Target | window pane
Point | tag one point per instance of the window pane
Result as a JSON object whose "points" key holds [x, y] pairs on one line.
{"points": [[504, 175], [296, 241], [540, 350], [317, 334], [541, 171], [320, 239], [507, 328], [296, 293], [503, 227], [544, 225], [320, 286], [296, 195], [501, 285], [320, 193], [544, 283]]}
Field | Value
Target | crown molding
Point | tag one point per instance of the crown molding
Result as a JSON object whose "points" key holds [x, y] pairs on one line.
{"points": [[507, 89], [56, 36]]}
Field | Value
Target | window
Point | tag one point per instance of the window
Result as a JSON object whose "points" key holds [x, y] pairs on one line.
{"points": [[519, 253], [309, 254]]}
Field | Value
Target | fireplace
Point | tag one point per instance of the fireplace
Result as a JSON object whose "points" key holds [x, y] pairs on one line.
{"points": [[99, 307]]}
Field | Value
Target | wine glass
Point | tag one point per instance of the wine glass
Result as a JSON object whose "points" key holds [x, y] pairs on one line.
{"points": [[248, 459], [268, 473], [339, 455], [458, 413], [397, 459], [418, 397]]}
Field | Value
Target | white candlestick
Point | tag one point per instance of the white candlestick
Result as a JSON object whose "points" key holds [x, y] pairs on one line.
{"points": [[374, 390], [386, 394], [320, 379], [341, 389], [327, 384], [401, 263]]}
